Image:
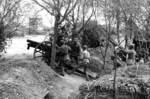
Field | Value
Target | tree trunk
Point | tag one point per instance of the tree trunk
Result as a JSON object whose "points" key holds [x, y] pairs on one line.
{"points": [[114, 82], [105, 54], [118, 24], [126, 40], [53, 53]]}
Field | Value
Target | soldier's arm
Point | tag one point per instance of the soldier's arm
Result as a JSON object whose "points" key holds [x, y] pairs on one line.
{"points": [[89, 56], [59, 49], [69, 49], [127, 51]]}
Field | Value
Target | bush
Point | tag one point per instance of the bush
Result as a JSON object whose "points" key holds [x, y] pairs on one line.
{"points": [[37, 32], [91, 34], [19, 33]]}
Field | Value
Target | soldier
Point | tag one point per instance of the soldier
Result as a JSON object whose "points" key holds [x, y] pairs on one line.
{"points": [[85, 62], [75, 50], [131, 55], [118, 57], [63, 52], [136, 43]]}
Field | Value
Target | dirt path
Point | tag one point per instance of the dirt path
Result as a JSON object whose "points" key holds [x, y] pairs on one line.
{"points": [[64, 86], [18, 49]]}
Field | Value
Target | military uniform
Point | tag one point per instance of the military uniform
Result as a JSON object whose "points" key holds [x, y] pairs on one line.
{"points": [[64, 54]]}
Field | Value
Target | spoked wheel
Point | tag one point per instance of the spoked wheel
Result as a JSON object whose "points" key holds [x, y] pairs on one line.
{"points": [[42, 52], [48, 37], [1, 49]]}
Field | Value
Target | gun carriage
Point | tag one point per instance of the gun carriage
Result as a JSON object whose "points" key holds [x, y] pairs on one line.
{"points": [[43, 50]]}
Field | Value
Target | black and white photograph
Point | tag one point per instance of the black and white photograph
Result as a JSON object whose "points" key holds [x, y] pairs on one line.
{"points": [[74, 49]]}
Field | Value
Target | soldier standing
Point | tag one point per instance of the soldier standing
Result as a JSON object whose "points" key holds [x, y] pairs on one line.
{"points": [[76, 50], [63, 51], [85, 62], [131, 55]]}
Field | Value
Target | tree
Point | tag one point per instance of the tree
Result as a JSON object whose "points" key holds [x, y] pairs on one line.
{"points": [[106, 9], [9, 14], [129, 12], [123, 14], [13, 13], [80, 16], [143, 19], [60, 9]]}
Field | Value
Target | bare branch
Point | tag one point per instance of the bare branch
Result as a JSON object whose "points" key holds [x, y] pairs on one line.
{"points": [[78, 14], [64, 16], [43, 7], [85, 23], [67, 12], [48, 3], [10, 9]]}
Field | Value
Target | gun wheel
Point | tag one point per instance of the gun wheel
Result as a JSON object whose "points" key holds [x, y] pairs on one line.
{"points": [[42, 52]]}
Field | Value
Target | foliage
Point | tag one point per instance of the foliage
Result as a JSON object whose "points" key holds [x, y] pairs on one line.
{"points": [[12, 15], [126, 87], [90, 33]]}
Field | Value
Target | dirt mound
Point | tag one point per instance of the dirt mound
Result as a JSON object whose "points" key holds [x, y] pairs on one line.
{"points": [[25, 79], [31, 79], [96, 64]]}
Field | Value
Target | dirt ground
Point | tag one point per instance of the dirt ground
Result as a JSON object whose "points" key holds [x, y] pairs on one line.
{"points": [[22, 77]]}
